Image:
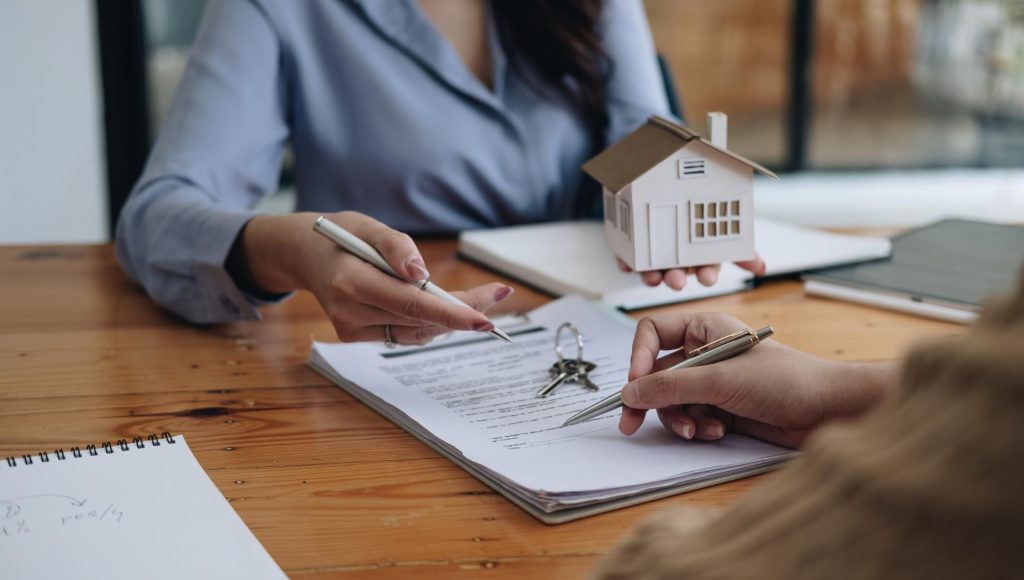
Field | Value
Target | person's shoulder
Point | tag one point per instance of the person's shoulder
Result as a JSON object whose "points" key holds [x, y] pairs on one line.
{"points": [[623, 8]]}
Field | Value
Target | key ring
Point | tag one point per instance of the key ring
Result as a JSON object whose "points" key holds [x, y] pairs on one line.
{"points": [[579, 343]]}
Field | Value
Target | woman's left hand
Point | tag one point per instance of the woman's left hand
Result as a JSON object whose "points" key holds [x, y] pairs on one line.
{"points": [[675, 278]]}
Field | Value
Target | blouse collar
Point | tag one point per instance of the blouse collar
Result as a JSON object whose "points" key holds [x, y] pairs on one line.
{"points": [[404, 25]]}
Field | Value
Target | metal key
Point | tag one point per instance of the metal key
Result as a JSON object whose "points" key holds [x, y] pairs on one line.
{"points": [[575, 371], [583, 378], [561, 371], [568, 370], [586, 367]]}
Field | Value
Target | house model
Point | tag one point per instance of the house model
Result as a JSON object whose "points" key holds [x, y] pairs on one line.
{"points": [[673, 198]]}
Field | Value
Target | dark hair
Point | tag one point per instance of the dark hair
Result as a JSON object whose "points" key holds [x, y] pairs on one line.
{"points": [[555, 45]]}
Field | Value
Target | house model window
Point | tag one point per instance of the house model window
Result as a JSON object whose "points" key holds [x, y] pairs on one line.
{"points": [[691, 168], [610, 211], [715, 220], [625, 219]]}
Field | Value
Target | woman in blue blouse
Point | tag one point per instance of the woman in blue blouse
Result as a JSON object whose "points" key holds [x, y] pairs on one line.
{"points": [[430, 116]]}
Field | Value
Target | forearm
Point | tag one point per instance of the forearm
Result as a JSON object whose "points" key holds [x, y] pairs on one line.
{"points": [[174, 242], [860, 386]]}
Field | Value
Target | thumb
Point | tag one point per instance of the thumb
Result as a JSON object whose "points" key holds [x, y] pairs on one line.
{"points": [[692, 386], [482, 298]]}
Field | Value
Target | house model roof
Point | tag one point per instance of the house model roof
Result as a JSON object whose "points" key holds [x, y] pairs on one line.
{"points": [[623, 162]]}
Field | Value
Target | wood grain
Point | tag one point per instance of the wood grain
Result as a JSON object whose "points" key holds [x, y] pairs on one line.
{"points": [[329, 487]]}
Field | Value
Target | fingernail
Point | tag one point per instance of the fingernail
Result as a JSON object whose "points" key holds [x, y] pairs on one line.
{"points": [[483, 326], [683, 429], [417, 269], [712, 278], [715, 431], [502, 293], [630, 395]]}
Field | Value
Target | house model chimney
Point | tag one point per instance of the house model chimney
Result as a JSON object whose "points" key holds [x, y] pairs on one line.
{"points": [[718, 129]]}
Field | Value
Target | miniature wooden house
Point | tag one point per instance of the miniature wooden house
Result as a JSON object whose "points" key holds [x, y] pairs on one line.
{"points": [[673, 198]]}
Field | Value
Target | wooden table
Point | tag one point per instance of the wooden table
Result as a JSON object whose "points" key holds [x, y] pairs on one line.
{"points": [[329, 487]]}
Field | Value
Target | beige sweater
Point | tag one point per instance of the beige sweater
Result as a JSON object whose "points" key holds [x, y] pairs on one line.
{"points": [[929, 485]]}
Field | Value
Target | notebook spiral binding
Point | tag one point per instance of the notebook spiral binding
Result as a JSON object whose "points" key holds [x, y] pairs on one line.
{"points": [[91, 449]]}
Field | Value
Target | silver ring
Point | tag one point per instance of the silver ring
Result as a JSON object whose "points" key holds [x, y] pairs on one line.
{"points": [[389, 341], [579, 342]]}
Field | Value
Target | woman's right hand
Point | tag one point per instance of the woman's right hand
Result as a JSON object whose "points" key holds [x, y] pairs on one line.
{"points": [[772, 391], [283, 254]]}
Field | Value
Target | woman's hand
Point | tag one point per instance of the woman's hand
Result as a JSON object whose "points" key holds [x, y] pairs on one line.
{"points": [[675, 278], [772, 391], [284, 254]]}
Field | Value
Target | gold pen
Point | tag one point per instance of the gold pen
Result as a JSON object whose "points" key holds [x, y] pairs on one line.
{"points": [[712, 352]]}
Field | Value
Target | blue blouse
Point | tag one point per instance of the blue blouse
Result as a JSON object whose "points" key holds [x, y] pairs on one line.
{"points": [[383, 117]]}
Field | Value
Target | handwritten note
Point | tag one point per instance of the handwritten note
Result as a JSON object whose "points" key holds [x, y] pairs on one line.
{"points": [[138, 513], [48, 513]]}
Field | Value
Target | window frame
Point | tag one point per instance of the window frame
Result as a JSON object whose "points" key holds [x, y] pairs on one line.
{"points": [[706, 219]]}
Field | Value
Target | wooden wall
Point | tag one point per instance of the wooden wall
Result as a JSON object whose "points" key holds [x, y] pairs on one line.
{"points": [[862, 47], [728, 55], [733, 55]]}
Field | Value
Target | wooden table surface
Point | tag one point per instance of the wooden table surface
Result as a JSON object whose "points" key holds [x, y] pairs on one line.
{"points": [[329, 487]]}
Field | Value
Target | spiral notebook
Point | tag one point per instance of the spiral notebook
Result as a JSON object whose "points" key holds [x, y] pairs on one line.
{"points": [[131, 509]]}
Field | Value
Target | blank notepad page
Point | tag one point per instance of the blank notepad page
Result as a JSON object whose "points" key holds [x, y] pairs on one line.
{"points": [[134, 510]]}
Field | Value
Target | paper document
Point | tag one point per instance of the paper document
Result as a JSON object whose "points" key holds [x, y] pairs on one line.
{"points": [[472, 398], [122, 511], [573, 258]]}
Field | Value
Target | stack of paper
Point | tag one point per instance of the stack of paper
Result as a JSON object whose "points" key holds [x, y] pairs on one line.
{"points": [[471, 398], [573, 258]]}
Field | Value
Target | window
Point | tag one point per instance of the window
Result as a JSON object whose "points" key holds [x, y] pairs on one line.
{"points": [[875, 84], [690, 168], [712, 221], [609, 209], [624, 220]]}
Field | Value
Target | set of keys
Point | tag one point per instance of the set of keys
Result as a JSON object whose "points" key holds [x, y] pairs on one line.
{"points": [[568, 370]]}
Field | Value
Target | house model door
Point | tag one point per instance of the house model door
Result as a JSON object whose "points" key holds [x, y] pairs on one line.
{"points": [[663, 234]]}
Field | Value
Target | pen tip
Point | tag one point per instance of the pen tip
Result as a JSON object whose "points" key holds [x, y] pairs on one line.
{"points": [[501, 334]]}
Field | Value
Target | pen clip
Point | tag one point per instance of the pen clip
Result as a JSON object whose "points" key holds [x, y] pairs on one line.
{"points": [[727, 338]]}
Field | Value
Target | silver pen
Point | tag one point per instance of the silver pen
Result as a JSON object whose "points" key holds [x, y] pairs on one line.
{"points": [[712, 352], [359, 248]]}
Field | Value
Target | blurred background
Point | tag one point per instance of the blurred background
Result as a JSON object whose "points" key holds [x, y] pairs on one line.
{"points": [[876, 112]]}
